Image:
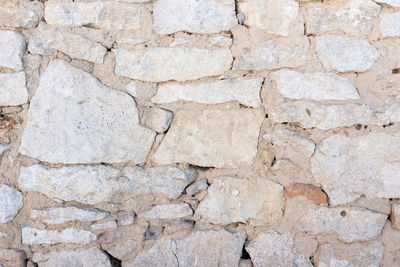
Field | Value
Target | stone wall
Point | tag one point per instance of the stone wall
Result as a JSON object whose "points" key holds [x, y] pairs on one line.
{"points": [[199, 133]]}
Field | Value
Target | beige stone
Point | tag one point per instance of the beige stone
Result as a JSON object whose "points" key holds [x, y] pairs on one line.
{"points": [[12, 48], [13, 91], [395, 216], [33, 236], [12, 257], [20, 14], [168, 211], [390, 25], [157, 119], [122, 249]]}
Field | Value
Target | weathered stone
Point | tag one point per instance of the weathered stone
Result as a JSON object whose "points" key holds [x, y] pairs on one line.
{"points": [[168, 211], [313, 86], [102, 122], [12, 257], [395, 3], [125, 217], [178, 226], [274, 16], [60, 215], [390, 25], [224, 249], [164, 64], [122, 249], [197, 187], [193, 138], [310, 192], [354, 17], [10, 203], [104, 225], [12, 48], [213, 16], [3, 148], [32, 236], [13, 91], [244, 90], [20, 15], [273, 249], [357, 254], [77, 257], [153, 232], [344, 54], [275, 54], [157, 119], [346, 167], [107, 15], [349, 224], [92, 185], [3, 235], [45, 40], [230, 199], [395, 216]]}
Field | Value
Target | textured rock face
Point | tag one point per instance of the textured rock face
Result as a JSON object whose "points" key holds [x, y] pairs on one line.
{"points": [[346, 167], [62, 215], [212, 16], [102, 122], [13, 91], [231, 200], [169, 211], [395, 216], [12, 48], [194, 139], [394, 3], [157, 119], [12, 257], [22, 15], [32, 236], [273, 249], [10, 203], [164, 64], [390, 25]]}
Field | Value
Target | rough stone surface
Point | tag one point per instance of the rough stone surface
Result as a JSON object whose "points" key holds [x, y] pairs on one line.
{"points": [[122, 249], [193, 138], [62, 215], [13, 91], [273, 249], [395, 216], [346, 167], [32, 236], [125, 217], [231, 200], [394, 3], [102, 122], [390, 25], [12, 48], [197, 187], [213, 16], [12, 257], [344, 54], [310, 192], [349, 224], [164, 64], [10, 203], [157, 119], [244, 90], [22, 15], [104, 225], [168, 211]]}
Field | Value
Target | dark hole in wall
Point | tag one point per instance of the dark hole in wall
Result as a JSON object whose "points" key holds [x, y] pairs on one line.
{"points": [[114, 261], [396, 71], [245, 254]]}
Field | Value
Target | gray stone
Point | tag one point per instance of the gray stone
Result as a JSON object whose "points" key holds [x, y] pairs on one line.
{"points": [[10, 203], [197, 187], [122, 249], [33, 236], [3, 148], [13, 91], [390, 25], [20, 14], [168, 211], [12, 48], [125, 217], [60, 215], [104, 225]]}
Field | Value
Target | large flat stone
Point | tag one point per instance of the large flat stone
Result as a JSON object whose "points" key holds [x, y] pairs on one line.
{"points": [[193, 138], [351, 167], [73, 118], [13, 91], [164, 64], [10, 203], [169, 211], [390, 25], [12, 48], [213, 16], [244, 90], [230, 200], [33, 236]]}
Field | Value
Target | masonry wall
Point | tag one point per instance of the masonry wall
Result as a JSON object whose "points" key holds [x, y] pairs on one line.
{"points": [[199, 133]]}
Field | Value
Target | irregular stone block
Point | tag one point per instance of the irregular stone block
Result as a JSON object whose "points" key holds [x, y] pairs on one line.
{"points": [[168, 211], [310, 192], [12, 48], [22, 15], [102, 122], [349, 224], [13, 91], [275, 54], [164, 64], [32, 236], [213, 16], [12, 257], [390, 25], [395, 216], [197, 187], [193, 138], [10, 203], [60, 215], [231, 200], [346, 167], [122, 249], [157, 119], [344, 54], [104, 225], [244, 90], [274, 16], [125, 217]]}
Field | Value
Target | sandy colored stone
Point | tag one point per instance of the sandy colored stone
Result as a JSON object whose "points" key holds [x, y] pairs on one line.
{"points": [[60, 215], [164, 64], [100, 121], [78, 257], [46, 40], [275, 54], [13, 91], [390, 25], [310, 192], [230, 200], [395, 216], [349, 224], [357, 254], [122, 249], [353, 17], [10, 203], [193, 138], [213, 16], [394, 3], [244, 90], [107, 15], [201, 248], [33, 236], [273, 249], [12, 48], [344, 54], [12, 257], [19, 15], [273, 16], [157, 119], [168, 211], [346, 167], [313, 86]]}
